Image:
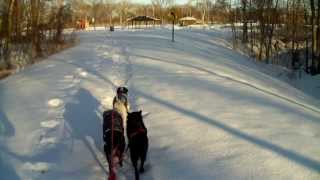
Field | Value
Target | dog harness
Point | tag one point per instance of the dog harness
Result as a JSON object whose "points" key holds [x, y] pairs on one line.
{"points": [[115, 123], [138, 131]]}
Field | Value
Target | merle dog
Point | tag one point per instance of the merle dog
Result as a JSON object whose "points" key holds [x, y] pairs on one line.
{"points": [[114, 141], [121, 103], [138, 140]]}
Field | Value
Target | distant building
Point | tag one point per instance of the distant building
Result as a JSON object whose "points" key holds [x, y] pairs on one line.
{"points": [[140, 20], [185, 21]]}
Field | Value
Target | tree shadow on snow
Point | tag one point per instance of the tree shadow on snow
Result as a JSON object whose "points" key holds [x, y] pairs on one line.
{"points": [[7, 172], [6, 128], [200, 69], [84, 122], [286, 153]]}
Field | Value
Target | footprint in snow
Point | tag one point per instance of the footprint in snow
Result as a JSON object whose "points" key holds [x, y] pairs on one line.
{"points": [[50, 124], [69, 86], [50, 66], [73, 92], [67, 82], [40, 167], [47, 141], [54, 103], [96, 65], [76, 81], [115, 57], [83, 74], [106, 54], [68, 77], [79, 69]]}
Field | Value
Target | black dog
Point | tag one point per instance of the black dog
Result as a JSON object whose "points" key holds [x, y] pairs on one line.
{"points": [[113, 147], [138, 140]]}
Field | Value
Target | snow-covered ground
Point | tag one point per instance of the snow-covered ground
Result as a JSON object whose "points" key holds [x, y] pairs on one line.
{"points": [[210, 112]]}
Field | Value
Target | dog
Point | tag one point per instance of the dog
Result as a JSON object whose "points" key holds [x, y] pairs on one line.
{"points": [[114, 141], [113, 130], [138, 141], [121, 103]]}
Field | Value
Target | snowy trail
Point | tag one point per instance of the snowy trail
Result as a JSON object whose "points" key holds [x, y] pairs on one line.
{"points": [[241, 81], [211, 113]]}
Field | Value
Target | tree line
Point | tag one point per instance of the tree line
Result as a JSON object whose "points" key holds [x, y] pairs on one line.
{"points": [[284, 32], [112, 12], [290, 28], [30, 29], [34, 28]]}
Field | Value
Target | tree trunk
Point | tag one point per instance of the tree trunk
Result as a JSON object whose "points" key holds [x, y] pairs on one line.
{"points": [[59, 25], [313, 37], [244, 21], [17, 21], [306, 38], [6, 31], [59, 18], [251, 28], [318, 37], [35, 33], [262, 28], [272, 20]]}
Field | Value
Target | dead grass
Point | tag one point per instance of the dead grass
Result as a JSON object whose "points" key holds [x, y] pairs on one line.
{"points": [[5, 73]]}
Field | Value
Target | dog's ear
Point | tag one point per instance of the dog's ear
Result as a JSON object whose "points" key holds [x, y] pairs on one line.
{"points": [[125, 90], [140, 112]]}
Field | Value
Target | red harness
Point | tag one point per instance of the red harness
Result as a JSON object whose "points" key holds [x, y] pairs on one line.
{"points": [[138, 131]]}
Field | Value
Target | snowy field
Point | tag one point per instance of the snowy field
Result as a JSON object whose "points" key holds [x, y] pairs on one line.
{"points": [[210, 112]]}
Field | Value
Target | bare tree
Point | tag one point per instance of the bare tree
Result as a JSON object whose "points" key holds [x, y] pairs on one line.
{"points": [[28, 26], [203, 7], [313, 43], [123, 7], [244, 4], [161, 5], [318, 37], [6, 29], [272, 20], [109, 8], [35, 18], [60, 23]]}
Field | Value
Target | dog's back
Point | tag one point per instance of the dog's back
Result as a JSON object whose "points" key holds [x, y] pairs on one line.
{"points": [[138, 140], [121, 108], [139, 147], [113, 136]]}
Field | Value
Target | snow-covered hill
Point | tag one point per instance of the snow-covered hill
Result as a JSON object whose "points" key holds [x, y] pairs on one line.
{"points": [[211, 112]]}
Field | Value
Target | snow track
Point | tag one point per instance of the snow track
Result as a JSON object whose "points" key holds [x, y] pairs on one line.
{"points": [[210, 112]]}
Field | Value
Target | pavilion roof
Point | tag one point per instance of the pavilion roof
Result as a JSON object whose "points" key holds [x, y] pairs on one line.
{"points": [[143, 18]]}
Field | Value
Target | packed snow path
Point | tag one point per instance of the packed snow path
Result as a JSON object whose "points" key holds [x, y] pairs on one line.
{"points": [[211, 113]]}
